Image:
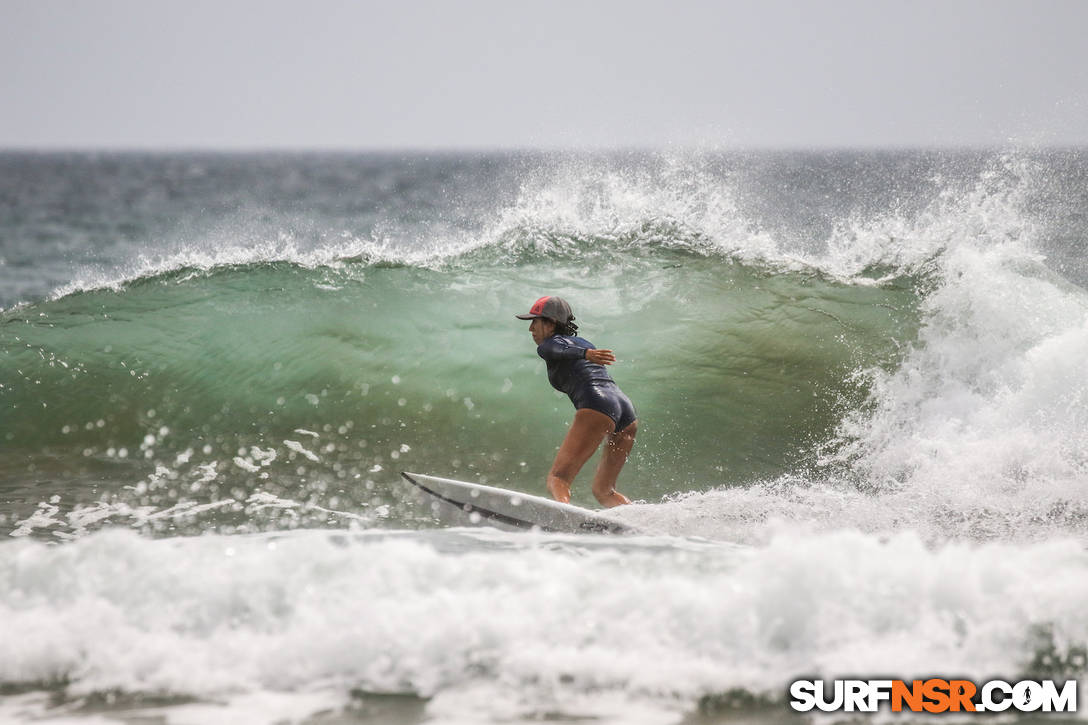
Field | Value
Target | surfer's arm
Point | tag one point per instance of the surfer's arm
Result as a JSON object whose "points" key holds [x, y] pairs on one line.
{"points": [[556, 348]]}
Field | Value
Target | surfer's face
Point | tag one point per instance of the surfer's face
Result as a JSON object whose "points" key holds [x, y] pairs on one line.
{"points": [[541, 328]]}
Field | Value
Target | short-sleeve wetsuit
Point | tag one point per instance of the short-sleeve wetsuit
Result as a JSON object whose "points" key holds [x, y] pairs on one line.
{"points": [[587, 384]]}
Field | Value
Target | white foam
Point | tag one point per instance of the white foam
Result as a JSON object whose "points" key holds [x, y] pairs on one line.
{"points": [[313, 612], [298, 448], [256, 708], [990, 407], [246, 465]]}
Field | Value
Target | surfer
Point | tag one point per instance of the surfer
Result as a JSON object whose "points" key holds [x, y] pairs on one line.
{"points": [[602, 411]]}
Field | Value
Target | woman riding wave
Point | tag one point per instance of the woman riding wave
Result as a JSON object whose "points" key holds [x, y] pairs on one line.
{"points": [[602, 411]]}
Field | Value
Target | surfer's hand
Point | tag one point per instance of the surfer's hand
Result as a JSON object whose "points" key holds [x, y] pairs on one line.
{"points": [[601, 357]]}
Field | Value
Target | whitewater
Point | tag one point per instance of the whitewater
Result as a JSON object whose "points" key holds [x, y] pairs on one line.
{"points": [[862, 451]]}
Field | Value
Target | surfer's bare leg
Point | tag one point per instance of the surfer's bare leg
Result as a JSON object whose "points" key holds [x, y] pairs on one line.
{"points": [[587, 431], [612, 460]]}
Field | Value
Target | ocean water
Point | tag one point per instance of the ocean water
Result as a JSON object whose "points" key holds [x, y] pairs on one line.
{"points": [[862, 449]]}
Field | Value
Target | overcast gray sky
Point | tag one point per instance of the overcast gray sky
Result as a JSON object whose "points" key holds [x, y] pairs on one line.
{"points": [[505, 73]]}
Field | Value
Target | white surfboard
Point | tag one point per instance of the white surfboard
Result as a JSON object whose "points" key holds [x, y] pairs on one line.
{"points": [[472, 503]]}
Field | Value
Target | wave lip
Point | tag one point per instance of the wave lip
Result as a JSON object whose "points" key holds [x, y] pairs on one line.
{"points": [[586, 209]]}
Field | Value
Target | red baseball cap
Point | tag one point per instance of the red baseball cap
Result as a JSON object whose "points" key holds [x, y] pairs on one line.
{"points": [[554, 308]]}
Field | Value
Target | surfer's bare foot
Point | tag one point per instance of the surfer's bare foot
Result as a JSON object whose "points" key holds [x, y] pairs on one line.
{"points": [[613, 498], [559, 489]]}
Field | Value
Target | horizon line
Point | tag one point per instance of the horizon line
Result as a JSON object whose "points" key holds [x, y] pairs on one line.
{"points": [[478, 149]]}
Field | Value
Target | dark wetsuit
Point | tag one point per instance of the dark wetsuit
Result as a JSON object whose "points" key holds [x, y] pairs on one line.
{"points": [[587, 384]]}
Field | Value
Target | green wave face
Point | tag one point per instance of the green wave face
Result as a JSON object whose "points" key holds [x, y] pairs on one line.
{"points": [[737, 372]]}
